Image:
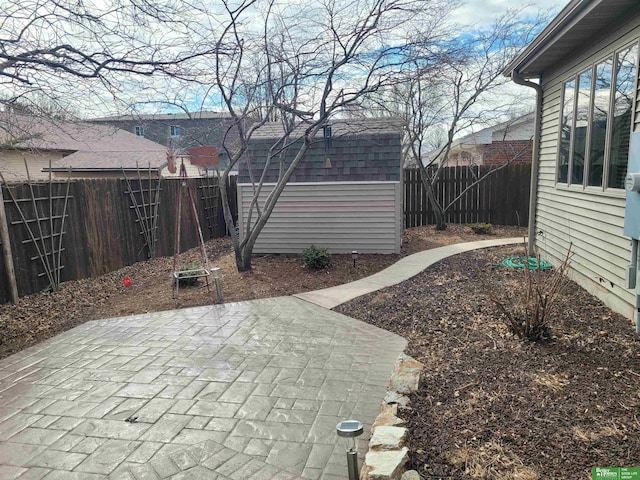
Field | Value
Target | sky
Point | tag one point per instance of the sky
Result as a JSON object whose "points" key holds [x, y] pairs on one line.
{"points": [[484, 11]]}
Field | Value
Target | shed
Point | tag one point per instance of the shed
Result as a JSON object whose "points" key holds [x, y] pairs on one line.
{"points": [[585, 69], [345, 194]]}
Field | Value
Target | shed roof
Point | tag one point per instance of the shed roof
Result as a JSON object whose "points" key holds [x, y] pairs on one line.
{"points": [[341, 127], [578, 24]]}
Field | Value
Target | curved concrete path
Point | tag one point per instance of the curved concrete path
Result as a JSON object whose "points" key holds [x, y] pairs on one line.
{"points": [[400, 271]]}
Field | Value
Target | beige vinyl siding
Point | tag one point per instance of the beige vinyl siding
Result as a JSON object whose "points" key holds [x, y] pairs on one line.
{"points": [[589, 219], [13, 169], [339, 216]]}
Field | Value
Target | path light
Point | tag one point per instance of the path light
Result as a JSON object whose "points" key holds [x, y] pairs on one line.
{"points": [[350, 430], [216, 279], [354, 255]]}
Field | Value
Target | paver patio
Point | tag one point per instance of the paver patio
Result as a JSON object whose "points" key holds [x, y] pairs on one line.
{"points": [[241, 390]]}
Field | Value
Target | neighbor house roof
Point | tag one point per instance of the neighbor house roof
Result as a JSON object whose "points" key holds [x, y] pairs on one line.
{"points": [[578, 24], [494, 133], [342, 127], [162, 116], [89, 146]]}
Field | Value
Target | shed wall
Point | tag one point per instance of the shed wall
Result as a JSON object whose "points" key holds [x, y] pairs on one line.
{"points": [[589, 219], [341, 216]]}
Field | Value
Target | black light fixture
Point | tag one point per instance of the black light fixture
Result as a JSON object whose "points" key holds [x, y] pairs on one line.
{"points": [[354, 255], [350, 430]]}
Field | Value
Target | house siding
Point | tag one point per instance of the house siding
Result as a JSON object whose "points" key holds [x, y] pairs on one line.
{"points": [[13, 169], [341, 216], [588, 220]]}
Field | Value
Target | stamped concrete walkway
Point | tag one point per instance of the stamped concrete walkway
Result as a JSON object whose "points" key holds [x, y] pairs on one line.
{"points": [[249, 390], [396, 273]]}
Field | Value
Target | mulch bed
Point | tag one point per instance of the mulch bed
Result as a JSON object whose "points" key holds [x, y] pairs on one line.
{"points": [[493, 406]]}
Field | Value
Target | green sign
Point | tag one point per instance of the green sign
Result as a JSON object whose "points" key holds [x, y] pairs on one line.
{"points": [[615, 473]]}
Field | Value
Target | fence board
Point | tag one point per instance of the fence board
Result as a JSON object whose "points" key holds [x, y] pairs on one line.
{"points": [[501, 199], [102, 233]]}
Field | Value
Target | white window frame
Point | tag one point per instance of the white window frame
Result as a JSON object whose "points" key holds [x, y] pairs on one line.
{"points": [[609, 128]]}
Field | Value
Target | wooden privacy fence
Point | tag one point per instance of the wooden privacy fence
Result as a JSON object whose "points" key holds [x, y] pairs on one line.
{"points": [[500, 199], [87, 227]]}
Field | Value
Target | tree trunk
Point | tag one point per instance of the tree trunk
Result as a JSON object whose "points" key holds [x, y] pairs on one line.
{"points": [[243, 262], [438, 211]]}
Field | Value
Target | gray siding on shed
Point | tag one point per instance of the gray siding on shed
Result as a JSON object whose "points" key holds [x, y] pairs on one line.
{"points": [[590, 219], [342, 216]]}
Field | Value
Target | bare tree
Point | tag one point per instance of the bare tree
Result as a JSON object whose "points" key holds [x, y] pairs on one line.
{"points": [[304, 65], [55, 51], [438, 100]]}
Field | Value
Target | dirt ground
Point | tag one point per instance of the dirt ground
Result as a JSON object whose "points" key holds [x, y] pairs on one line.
{"points": [[493, 406]]}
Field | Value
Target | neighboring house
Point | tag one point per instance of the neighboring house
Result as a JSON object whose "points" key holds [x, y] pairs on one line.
{"points": [[509, 141], [345, 194], [179, 130], [76, 148], [585, 63]]}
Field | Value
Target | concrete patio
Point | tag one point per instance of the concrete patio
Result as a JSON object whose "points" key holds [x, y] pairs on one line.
{"points": [[249, 390]]}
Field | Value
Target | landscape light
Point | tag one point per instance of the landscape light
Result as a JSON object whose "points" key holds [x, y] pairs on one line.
{"points": [[354, 255], [216, 279], [349, 431]]}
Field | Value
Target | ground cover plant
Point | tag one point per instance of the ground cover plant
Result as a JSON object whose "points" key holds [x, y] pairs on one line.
{"points": [[493, 406], [316, 258]]}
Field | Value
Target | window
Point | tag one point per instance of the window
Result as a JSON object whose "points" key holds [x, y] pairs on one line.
{"points": [[175, 131], [139, 131], [595, 124]]}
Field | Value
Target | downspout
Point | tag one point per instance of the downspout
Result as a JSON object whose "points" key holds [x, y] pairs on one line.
{"points": [[535, 161]]}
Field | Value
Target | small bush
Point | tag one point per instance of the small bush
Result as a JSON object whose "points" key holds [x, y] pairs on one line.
{"points": [[316, 258], [530, 314], [481, 228], [184, 281]]}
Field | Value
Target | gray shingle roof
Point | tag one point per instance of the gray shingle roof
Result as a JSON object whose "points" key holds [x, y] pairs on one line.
{"points": [[361, 150], [341, 127]]}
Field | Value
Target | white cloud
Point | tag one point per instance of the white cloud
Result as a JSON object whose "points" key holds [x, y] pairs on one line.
{"points": [[482, 12]]}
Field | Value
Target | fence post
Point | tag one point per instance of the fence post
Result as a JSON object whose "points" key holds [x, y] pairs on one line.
{"points": [[6, 250]]}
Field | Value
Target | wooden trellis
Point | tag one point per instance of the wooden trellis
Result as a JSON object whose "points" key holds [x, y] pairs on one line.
{"points": [[43, 216], [210, 194], [145, 202], [179, 271]]}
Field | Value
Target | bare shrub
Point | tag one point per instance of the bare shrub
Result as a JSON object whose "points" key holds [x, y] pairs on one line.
{"points": [[529, 315]]}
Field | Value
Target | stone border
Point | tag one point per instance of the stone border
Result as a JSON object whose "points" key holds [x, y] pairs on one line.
{"points": [[388, 456]]}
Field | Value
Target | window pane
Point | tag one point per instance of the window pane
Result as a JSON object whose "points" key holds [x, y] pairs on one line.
{"points": [[582, 125], [599, 117], [565, 130], [626, 61]]}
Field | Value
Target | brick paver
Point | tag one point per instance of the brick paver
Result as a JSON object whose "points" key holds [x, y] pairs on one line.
{"points": [[249, 390]]}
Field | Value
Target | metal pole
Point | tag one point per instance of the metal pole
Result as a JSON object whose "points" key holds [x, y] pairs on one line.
{"points": [[352, 464], [218, 289]]}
